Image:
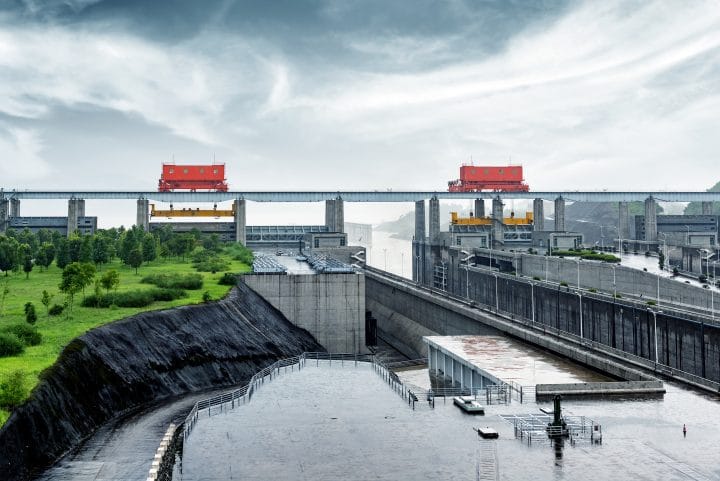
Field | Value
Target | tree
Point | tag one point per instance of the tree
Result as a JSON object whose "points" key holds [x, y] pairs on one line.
{"points": [[62, 253], [75, 277], [149, 248], [46, 254], [46, 300], [30, 314], [8, 254], [182, 245], [101, 249], [86, 249], [135, 259], [27, 259], [3, 294], [74, 247], [212, 242], [110, 280], [661, 261]]}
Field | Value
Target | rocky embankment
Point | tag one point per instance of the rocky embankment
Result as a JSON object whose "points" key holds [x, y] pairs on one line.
{"points": [[140, 360]]}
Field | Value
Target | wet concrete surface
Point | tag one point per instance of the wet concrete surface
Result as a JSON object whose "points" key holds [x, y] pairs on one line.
{"points": [[510, 360], [124, 448], [332, 422]]}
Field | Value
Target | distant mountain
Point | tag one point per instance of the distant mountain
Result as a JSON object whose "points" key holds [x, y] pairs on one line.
{"points": [[695, 208], [587, 218], [404, 226]]}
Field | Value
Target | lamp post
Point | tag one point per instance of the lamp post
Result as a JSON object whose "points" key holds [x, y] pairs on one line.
{"points": [[709, 254], [402, 264], [497, 301], [547, 260], [532, 300], [417, 263], [655, 313], [385, 254], [490, 246], [614, 283], [578, 273], [581, 313]]}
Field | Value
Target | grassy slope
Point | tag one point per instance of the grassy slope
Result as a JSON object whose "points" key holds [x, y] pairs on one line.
{"points": [[59, 331]]}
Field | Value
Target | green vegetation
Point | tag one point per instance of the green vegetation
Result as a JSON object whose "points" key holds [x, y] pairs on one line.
{"points": [[83, 282], [587, 255]]}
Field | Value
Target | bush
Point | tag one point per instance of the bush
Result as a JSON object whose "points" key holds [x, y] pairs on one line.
{"points": [[592, 289], [228, 279], [10, 345], [536, 278], [206, 297], [212, 264], [12, 389], [30, 314], [27, 334], [564, 284], [190, 282], [702, 278], [137, 298], [650, 303], [56, 310]]}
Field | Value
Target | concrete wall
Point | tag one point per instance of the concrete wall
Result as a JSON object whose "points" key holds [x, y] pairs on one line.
{"points": [[600, 276], [329, 306], [684, 344], [448, 317]]}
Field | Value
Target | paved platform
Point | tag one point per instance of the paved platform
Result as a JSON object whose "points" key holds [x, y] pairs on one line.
{"points": [[332, 423]]}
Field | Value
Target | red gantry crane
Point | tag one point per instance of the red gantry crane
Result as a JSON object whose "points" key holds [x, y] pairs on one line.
{"points": [[479, 178], [193, 178]]}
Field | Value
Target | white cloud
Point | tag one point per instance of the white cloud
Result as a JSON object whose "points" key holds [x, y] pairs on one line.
{"points": [[20, 156]]}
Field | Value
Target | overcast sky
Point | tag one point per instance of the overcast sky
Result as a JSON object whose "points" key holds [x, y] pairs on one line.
{"points": [[359, 95]]}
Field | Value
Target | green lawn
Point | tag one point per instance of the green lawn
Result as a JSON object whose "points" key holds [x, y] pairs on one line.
{"points": [[58, 331]]}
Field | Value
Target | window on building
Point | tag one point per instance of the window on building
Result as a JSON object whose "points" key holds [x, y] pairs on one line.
{"points": [[317, 242]]}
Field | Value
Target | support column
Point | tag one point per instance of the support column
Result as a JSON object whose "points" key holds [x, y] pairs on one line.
{"points": [[623, 218], [479, 208], [538, 215], [707, 208], [560, 214], [143, 214], [239, 207], [72, 219], [434, 220], [330, 214], [14, 207], [420, 221], [339, 215], [650, 220], [4, 214], [498, 228]]}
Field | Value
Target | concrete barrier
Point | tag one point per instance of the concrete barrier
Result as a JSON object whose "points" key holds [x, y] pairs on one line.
{"points": [[599, 388]]}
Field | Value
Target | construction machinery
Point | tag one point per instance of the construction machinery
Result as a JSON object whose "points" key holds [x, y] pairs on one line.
{"points": [[193, 177], [512, 220], [188, 212], [479, 178]]}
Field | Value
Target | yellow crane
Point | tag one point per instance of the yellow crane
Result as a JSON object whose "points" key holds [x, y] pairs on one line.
{"points": [[189, 212], [512, 220]]}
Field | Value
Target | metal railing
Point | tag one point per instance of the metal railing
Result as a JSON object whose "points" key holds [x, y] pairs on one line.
{"points": [[243, 394]]}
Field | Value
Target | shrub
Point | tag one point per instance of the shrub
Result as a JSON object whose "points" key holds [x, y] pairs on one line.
{"points": [[10, 345], [228, 279], [592, 289], [137, 298], [56, 310], [618, 296], [190, 282], [564, 284], [206, 297], [27, 334], [30, 314], [12, 389], [650, 303], [536, 278], [702, 278], [212, 264]]}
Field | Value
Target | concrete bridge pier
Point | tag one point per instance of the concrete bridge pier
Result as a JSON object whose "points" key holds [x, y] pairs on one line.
{"points": [[623, 220], [434, 221], [538, 215], [479, 208], [650, 220], [76, 209], [4, 214], [143, 214], [335, 215], [418, 245], [560, 214], [498, 231], [707, 208], [14, 207], [240, 231]]}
